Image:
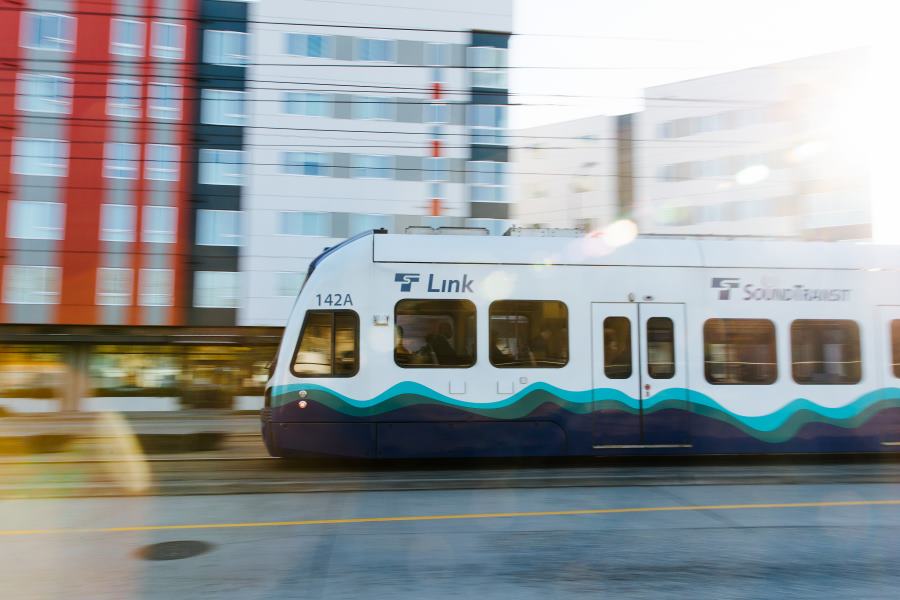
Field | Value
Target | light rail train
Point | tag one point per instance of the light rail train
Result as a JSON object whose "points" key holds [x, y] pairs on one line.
{"points": [[448, 345]]}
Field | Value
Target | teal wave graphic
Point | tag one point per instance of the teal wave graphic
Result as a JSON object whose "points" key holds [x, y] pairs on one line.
{"points": [[777, 426]]}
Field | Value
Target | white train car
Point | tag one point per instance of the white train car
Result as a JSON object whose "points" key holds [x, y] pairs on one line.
{"points": [[439, 345]]}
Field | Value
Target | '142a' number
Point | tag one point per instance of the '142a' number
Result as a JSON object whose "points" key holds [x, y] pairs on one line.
{"points": [[334, 300]]}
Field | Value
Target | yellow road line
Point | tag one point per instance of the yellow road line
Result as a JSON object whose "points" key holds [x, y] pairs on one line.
{"points": [[414, 518]]}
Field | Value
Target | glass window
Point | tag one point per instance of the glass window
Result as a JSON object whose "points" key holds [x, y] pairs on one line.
{"points": [[48, 31], [304, 223], [360, 223], [825, 352], [434, 333], [37, 156], [436, 169], [740, 351], [44, 93], [487, 123], [126, 37], [155, 287], [375, 50], [617, 356], [36, 220], [314, 164], [227, 48], [216, 289], [167, 40], [141, 370], [162, 162], [218, 227], [159, 224], [164, 101], [287, 284], [660, 348], [28, 284], [117, 222], [487, 181], [373, 108], [895, 346], [124, 98], [437, 55], [488, 67], [529, 333], [365, 166], [307, 104], [221, 167], [120, 160], [114, 287], [328, 346], [437, 113], [314, 46], [33, 371], [222, 107]]}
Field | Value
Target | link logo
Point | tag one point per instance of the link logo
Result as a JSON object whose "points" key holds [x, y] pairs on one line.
{"points": [[406, 280], [725, 285]]}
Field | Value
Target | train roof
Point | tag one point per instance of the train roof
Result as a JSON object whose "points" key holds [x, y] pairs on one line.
{"points": [[642, 251]]}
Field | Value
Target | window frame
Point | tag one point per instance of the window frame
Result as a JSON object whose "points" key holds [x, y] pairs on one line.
{"points": [[225, 58], [154, 165], [59, 169], [325, 104], [131, 212], [490, 131], [356, 169], [148, 235], [495, 72], [235, 276], [102, 298], [499, 170], [212, 99], [366, 102], [205, 173], [567, 344], [162, 51], [161, 112], [325, 39], [211, 218], [53, 296], [28, 78], [283, 215], [61, 44], [856, 329], [114, 107], [773, 348], [390, 45], [120, 48], [54, 233], [356, 342], [142, 292], [113, 170]]}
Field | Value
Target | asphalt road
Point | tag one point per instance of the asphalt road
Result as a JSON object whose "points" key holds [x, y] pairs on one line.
{"points": [[789, 540]]}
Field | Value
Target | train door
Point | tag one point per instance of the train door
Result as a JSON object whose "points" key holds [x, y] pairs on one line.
{"points": [[889, 367], [639, 375]]}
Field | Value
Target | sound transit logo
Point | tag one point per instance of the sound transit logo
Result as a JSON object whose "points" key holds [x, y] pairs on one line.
{"points": [[771, 292], [725, 285], [406, 280]]}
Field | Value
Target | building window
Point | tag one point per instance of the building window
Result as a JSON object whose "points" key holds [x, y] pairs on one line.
{"points": [[44, 93], [487, 123], [437, 55], [48, 31], [740, 351], [488, 66], [434, 333], [164, 101], [155, 287], [222, 107], [126, 37], [124, 98], [375, 50], [114, 287], [219, 227], [37, 156], [288, 284], [313, 46], [437, 114], [162, 162], [529, 333], [306, 163], [328, 345], [31, 284], [221, 167], [373, 107], [159, 224], [304, 223], [167, 40], [227, 48], [307, 104], [120, 160], [36, 220], [117, 222], [436, 169], [372, 166], [216, 289], [895, 346], [825, 352], [487, 181], [360, 223]]}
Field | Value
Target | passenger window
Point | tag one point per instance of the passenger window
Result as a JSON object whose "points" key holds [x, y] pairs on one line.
{"points": [[739, 351], [617, 347], [529, 333], [328, 346], [660, 348], [434, 333], [895, 342], [825, 352]]}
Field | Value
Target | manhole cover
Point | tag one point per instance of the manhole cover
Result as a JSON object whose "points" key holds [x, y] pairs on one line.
{"points": [[173, 550]]}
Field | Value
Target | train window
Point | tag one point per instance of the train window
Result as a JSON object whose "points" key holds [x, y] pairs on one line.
{"points": [[434, 333], [660, 348], [895, 342], [825, 352], [617, 347], [328, 346], [529, 333], [739, 351]]}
